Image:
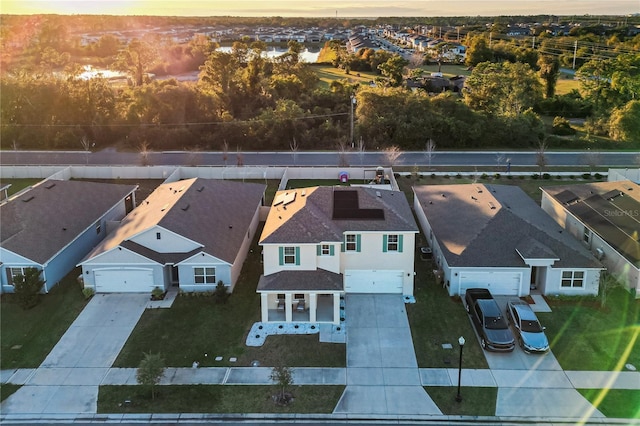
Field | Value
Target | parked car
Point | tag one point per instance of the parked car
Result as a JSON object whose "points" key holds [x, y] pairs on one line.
{"points": [[527, 327], [488, 320]]}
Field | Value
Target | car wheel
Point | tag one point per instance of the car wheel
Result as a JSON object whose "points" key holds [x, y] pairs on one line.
{"points": [[483, 343]]}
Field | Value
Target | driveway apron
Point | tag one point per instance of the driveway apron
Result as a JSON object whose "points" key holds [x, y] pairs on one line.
{"points": [[68, 379], [382, 371]]}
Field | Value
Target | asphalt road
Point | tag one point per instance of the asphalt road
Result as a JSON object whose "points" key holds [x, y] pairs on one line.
{"points": [[440, 158]]}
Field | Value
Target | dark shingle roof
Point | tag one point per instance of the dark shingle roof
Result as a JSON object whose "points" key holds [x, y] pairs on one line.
{"points": [[42, 221], [213, 213], [309, 218], [489, 225], [318, 280]]}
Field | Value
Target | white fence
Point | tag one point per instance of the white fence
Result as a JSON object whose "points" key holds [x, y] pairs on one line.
{"points": [[624, 174]]}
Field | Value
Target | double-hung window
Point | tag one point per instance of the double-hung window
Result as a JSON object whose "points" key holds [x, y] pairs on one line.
{"points": [[573, 279], [325, 250], [289, 255], [392, 243], [351, 242], [204, 275], [14, 272]]}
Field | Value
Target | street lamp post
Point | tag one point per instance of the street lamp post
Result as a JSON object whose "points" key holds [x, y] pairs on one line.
{"points": [[461, 342], [352, 102]]}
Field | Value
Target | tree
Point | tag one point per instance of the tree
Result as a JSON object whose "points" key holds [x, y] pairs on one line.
{"points": [[150, 371], [221, 293], [136, 59], [624, 124], [391, 154], [393, 69], [225, 152], [549, 71], [361, 149], [27, 287], [144, 151], [541, 156], [478, 51], [282, 377], [295, 147]]}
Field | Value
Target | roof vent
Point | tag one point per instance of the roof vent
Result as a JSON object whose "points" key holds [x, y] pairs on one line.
{"points": [[230, 226], [444, 195], [303, 193], [200, 189], [164, 207], [185, 207], [491, 205], [26, 200], [474, 198], [50, 185], [479, 190], [378, 194]]}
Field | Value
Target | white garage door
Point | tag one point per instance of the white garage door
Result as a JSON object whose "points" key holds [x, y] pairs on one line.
{"points": [[367, 281], [498, 283], [124, 281]]}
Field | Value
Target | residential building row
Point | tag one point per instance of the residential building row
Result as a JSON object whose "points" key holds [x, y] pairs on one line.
{"points": [[320, 243]]}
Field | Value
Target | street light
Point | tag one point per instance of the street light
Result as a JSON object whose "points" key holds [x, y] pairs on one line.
{"points": [[351, 103], [461, 342]]}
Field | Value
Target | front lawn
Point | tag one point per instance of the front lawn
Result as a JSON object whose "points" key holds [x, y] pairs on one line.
{"points": [[475, 401], [195, 328], [615, 403], [216, 399], [28, 336], [586, 336], [436, 319]]}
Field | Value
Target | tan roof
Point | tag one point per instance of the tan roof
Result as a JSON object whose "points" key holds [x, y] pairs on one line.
{"points": [[45, 219], [213, 213]]}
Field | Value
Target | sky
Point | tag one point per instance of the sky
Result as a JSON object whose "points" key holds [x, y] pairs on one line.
{"points": [[326, 8]]}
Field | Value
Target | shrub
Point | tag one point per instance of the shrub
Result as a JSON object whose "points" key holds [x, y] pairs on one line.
{"points": [[484, 176], [559, 177], [562, 127], [598, 176], [433, 175], [497, 175], [221, 294], [157, 293], [150, 371], [535, 176], [546, 176], [88, 292], [509, 177], [572, 177], [27, 288], [586, 176], [458, 176]]}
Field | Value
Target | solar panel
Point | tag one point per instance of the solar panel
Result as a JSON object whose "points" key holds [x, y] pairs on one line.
{"points": [[567, 197], [346, 206]]}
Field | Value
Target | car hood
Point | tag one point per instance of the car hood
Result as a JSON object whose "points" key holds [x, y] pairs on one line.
{"points": [[535, 340], [499, 335]]}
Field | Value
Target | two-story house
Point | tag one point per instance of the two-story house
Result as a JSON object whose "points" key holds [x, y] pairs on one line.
{"points": [[322, 242]]}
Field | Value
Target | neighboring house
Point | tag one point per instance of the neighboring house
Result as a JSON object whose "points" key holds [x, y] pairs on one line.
{"points": [[53, 225], [190, 233], [497, 237], [321, 242], [605, 217]]}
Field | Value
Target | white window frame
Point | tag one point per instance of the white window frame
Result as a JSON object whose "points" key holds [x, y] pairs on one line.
{"points": [[353, 244], [204, 274], [289, 255], [325, 250], [572, 279], [393, 245], [13, 273], [586, 236]]}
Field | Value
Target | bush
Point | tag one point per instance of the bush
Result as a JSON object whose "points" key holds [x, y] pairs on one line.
{"points": [[562, 127], [535, 176], [484, 176], [157, 293], [546, 176], [27, 288], [221, 294], [433, 175], [88, 292], [598, 176], [559, 177], [458, 176], [586, 176], [497, 175], [572, 177]]}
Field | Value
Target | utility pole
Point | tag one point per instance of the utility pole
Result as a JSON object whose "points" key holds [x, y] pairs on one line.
{"points": [[490, 34], [352, 102], [575, 52], [533, 42]]}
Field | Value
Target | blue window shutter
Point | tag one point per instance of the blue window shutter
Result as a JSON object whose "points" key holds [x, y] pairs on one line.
{"points": [[281, 253], [319, 249], [297, 256], [331, 250], [358, 243], [384, 243], [400, 243]]}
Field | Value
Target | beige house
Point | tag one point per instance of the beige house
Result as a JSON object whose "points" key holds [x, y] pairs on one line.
{"points": [[322, 242]]}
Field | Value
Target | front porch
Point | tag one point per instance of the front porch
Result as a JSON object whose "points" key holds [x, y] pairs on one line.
{"points": [[301, 296]]}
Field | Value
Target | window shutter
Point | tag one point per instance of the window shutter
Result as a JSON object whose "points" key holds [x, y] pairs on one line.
{"points": [[297, 256], [358, 243], [384, 243], [331, 250], [319, 249], [342, 246], [400, 243], [281, 255]]}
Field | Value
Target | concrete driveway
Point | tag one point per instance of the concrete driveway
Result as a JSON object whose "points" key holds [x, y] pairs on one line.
{"points": [[68, 379], [382, 371]]}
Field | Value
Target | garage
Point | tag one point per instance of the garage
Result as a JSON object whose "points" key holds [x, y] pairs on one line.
{"points": [[371, 281], [124, 281], [498, 283]]}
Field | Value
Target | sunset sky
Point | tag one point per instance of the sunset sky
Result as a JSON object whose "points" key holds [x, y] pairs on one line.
{"points": [[307, 8]]}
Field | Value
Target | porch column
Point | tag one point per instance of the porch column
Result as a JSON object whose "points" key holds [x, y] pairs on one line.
{"points": [[288, 308], [264, 306], [313, 306], [336, 308]]}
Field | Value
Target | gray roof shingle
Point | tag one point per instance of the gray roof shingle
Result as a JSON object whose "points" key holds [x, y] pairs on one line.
{"points": [[318, 280], [42, 221]]}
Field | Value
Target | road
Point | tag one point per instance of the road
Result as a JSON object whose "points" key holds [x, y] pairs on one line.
{"points": [[373, 158]]}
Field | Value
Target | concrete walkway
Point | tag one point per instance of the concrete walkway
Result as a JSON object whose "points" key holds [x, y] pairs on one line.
{"points": [[382, 372], [68, 379]]}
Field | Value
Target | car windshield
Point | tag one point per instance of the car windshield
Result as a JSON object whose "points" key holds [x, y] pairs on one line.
{"points": [[531, 326], [495, 323]]}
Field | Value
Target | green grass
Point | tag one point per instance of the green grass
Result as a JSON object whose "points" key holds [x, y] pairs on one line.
{"points": [[437, 318], [448, 70], [566, 85], [195, 326], [475, 401], [615, 403], [586, 336], [7, 389], [216, 399], [306, 183], [17, 185], [328, 74], [28, 336]]}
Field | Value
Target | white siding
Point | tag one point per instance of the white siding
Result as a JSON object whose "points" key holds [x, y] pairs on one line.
{"points": [[169, 242]]}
